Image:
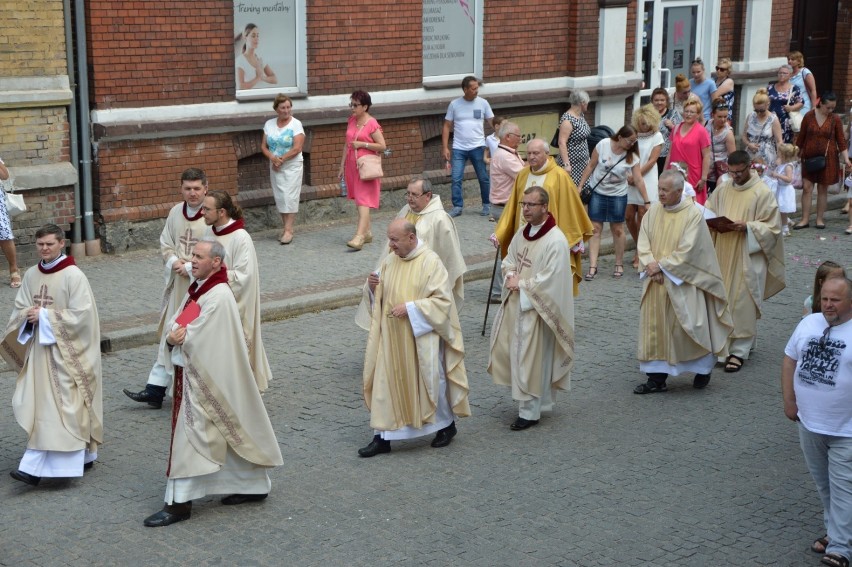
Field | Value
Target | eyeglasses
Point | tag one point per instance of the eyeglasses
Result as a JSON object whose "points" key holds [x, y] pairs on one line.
{"points": [[722, 68], [825, 336], [689, 113], [760, 110], [525, 205], [354, 105], [737, 172], [513, 134], [414, 195]]}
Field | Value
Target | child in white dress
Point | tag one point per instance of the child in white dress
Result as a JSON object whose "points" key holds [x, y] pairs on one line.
{"points": [[782, 174]]}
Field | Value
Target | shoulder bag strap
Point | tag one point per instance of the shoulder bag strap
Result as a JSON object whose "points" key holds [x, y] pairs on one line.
{"points": [[608, 170]]}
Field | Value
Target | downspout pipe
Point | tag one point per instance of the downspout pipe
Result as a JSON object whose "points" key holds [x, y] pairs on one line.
{"points": [[76, 232], [85, 129]]}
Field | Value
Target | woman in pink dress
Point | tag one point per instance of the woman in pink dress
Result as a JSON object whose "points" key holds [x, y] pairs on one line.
{"points": [[691, 144], [363, 136]]}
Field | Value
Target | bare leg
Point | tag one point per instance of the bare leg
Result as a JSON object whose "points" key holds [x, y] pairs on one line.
{"points": [[807, 192], [8, 247], [595, 244], [822, 203], [630, 215], [363, 220], [288, 219], [618, 239], [849, 212]]}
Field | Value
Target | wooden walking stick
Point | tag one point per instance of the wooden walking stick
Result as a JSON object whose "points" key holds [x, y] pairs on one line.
{"points": [[490, 287]]}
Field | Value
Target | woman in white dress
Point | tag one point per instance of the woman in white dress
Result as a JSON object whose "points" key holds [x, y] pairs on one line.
{"points": [[646, 120], [283, 138], [250, 66]]}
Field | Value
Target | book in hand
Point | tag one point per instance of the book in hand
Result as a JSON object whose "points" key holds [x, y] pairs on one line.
{"points": [[189, 314], [721, 224]]}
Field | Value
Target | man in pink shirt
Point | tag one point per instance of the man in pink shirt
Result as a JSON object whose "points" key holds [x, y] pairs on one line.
{"points": [[505, 165]]}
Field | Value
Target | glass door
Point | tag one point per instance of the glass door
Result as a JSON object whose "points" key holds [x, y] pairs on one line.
{"points": [[668, 43]]}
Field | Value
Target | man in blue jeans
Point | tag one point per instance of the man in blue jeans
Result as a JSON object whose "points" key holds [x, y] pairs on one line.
{"points": [[465, 117], [817, 388]]}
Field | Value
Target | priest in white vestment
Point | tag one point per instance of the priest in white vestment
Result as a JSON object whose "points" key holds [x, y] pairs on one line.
{"points": [[222, 441], [684, 322], [53, 340], [435, 228], [750, 252], [225, 219], [184, 227], [415, 382], [532, 339]]}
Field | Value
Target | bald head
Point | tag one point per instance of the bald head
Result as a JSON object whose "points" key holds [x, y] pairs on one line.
{"points": [[402, 237]]}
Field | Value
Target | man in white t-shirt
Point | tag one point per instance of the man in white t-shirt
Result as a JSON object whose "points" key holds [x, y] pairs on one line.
{"points": [[464, 118], [816, 381]]}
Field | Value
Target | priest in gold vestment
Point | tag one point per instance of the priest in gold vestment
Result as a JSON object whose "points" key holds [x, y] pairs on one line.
{"points": [[435, 227], [221, 440], [532, 339], [415, 382], [683, 317], [750, 252], [53, 341], [564, 205]]}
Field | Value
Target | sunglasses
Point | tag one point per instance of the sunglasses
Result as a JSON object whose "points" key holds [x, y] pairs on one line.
{"points": [[723, 68], [720, 107]]}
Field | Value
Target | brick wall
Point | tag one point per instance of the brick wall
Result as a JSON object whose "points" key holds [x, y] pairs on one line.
{"points": [[32, 42], [630, 51], [731, 30], [54, 205], [140, 179], [843, 58], [582, 38], [34, 136], [526, 43], [352, 46], [165, 42], [782, 16]]}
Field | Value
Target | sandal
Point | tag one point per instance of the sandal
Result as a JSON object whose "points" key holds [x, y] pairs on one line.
{"points": [[593, 273], [819, 545], [619, 271], [650, 387], [15, 279], [834, 560], [733, 363]]}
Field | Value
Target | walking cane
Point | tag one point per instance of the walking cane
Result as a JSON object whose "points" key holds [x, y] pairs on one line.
{"points": [[490, 287]]}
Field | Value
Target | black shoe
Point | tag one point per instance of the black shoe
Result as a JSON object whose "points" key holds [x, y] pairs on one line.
{"points": [[700, 381], [445, 436], [495, 300], [237, 499], [88, 466], [32, 480], [650, 387], [170, 514], [152, 395], [376, 447], [522, 423]]}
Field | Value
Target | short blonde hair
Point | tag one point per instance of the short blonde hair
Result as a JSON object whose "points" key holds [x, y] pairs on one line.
{"points": [[646, 114], [693, 100], [725, 61], [797, 57]]}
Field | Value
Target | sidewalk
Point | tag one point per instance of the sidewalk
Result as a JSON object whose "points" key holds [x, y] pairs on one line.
{"points": [[316, 272]]}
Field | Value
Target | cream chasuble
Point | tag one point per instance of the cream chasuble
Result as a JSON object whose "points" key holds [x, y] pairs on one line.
{"points": [[58, 399], [752, 262], [220, 408], [176, 243], [244, 279], [436, 229], [565, 206], [686, 317], [401, 371], [522, 332]]}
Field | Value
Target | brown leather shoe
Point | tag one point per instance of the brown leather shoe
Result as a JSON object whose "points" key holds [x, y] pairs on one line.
{"points": [[357, 242]]}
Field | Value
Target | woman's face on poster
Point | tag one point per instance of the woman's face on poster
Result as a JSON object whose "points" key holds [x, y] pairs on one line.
{"points": [[253, 38]]}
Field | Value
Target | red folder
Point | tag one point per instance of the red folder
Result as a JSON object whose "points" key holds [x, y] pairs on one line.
{"points": [[189, 314]]}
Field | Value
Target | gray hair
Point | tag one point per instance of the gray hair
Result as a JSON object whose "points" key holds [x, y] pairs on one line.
{"points": [[216, 248], [426, 185], [786, 66], [543, 142], [676, 178], [504, 128], [578, 97]]}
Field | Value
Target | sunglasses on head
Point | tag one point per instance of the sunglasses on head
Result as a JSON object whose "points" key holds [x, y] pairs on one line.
{"points": [[720, 107]]}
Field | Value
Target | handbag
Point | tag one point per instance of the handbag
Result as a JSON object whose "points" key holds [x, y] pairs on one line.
{"points": [[370, 165], [586, 193], [818, 163], [15, 204], [795, 120]]}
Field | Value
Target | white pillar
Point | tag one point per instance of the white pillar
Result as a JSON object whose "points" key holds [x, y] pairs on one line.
{"points": [[612, 49]]}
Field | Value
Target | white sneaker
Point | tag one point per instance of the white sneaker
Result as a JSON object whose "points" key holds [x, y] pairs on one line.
{"points": [[785, 231]]}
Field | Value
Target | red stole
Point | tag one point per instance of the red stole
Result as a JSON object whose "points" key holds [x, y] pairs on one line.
{"points": [[546, 227], [233, 227], [68, 261], [197, 216]]}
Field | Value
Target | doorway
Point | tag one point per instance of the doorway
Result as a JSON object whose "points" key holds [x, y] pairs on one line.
{"points": [[813, 34]]}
